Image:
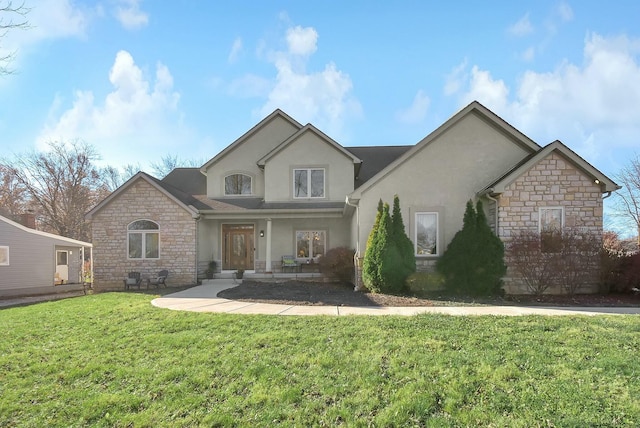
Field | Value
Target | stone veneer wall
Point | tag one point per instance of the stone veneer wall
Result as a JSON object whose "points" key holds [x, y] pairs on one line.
{"points": [[553, 182], [177, 238]]}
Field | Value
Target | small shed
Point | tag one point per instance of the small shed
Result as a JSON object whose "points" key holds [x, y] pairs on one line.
{"points": [[33, 262]]}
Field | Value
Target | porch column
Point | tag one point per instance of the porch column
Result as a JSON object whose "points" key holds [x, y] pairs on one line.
{"points": [[267, 268]]}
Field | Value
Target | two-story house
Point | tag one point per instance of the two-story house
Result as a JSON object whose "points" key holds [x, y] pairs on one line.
{"points": [[284, 188]]}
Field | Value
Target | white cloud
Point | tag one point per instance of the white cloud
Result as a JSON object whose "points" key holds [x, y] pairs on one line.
{"points": [[455, 79], [130, 16], [324, 98], [564, 11], [302, 41], [594, 106], [417, 112], [522, 27], [236, 49], [138, 117]]}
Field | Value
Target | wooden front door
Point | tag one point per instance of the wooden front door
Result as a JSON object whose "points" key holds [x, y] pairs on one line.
{"points": [[238, 246]]}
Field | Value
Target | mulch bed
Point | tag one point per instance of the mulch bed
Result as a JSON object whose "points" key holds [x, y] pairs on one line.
{"points": [[342, 294]]}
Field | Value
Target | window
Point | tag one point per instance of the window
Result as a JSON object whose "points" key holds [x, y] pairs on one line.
{"points": [[550, 224], [143, 240], [310, 243], [426, 239], [4, 256], [308, 183], [237, 184]]}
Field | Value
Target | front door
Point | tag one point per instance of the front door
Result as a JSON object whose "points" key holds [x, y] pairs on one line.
{"points": [[238, 246], [62, 266]]}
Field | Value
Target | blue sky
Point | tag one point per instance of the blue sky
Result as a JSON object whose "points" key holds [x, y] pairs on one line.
{"points": [[143, 79]]}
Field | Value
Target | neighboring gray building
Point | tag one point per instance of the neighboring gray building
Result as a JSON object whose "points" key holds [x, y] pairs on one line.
{"points": [[34, 262], [287, 189]]}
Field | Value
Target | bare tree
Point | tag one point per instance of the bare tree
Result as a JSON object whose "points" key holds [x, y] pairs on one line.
{"points": [[628, 197], [13, 195], [9, 11], [114, 177], [169, 163], [63, 184]]}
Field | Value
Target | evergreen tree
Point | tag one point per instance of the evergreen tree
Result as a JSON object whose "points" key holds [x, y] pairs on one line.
{"points": [[390, 270], [474, 260], [371, 260], [402, 241]]}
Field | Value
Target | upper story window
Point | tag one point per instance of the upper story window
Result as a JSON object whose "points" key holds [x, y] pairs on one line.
{"points": [[308, 183], [143, 240], [426, 239], [237, 184]]}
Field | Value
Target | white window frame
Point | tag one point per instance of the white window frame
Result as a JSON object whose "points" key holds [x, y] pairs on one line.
{"points": [[540, 216], [311, 255], [224, 184], [4, 255], [309, 170], [143, 233], [415, 234]]}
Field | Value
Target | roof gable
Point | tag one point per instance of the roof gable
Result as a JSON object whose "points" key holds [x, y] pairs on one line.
{"points": [[182, 199], [257, 128], [308, 128], [473, 108], [498, 186]]}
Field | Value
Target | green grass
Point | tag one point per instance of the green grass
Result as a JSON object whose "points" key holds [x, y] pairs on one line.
{"points": [[114, 360]]}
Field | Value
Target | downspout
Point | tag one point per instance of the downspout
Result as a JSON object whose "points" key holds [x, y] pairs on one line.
{"points": [[607, 195], [491, 198], [356, 256], [195, 215]]}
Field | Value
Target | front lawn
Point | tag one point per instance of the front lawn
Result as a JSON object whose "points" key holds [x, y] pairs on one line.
{"points": [[114, 360]]}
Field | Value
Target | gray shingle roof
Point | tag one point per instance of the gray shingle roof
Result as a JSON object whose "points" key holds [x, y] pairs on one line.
{"points": [[375, 159]]}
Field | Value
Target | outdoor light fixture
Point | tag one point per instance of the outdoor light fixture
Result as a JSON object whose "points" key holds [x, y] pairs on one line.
{"points": [[597, 181], [262, 233]]}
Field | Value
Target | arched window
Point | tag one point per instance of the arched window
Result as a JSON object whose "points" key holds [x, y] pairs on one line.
{"points": [[143, 239], [237, 184]]}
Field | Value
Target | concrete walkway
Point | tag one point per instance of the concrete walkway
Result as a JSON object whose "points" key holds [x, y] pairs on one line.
{"points": [[204, 298]]}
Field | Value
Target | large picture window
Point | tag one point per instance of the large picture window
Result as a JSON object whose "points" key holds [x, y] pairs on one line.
{"points": [[143, 240], [4, 255], [308, 183], [310, 243], [237, 184], [426, 239]]}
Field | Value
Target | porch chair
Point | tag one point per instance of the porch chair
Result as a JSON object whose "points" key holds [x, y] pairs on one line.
{"points": [[133, 279], [159, 280], [289, 262]]}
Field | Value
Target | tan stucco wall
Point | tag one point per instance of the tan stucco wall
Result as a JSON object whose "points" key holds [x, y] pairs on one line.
{"points": [[553, 182], [243, 157], [177, 238], [308, 151], [442, 176]]}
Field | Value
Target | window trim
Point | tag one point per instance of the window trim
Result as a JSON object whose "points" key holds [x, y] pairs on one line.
{"points": [[224, 184], [415, 233], [143, 233], [311, 254], [5, 249], [309, 169]]}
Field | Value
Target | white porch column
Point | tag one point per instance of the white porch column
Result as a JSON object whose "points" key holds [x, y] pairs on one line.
{"points": [[267, 268]]}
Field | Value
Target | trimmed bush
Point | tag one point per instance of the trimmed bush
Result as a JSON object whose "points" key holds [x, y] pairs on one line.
{"points": [[474, 260], [338, 262], [370, 275]]}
